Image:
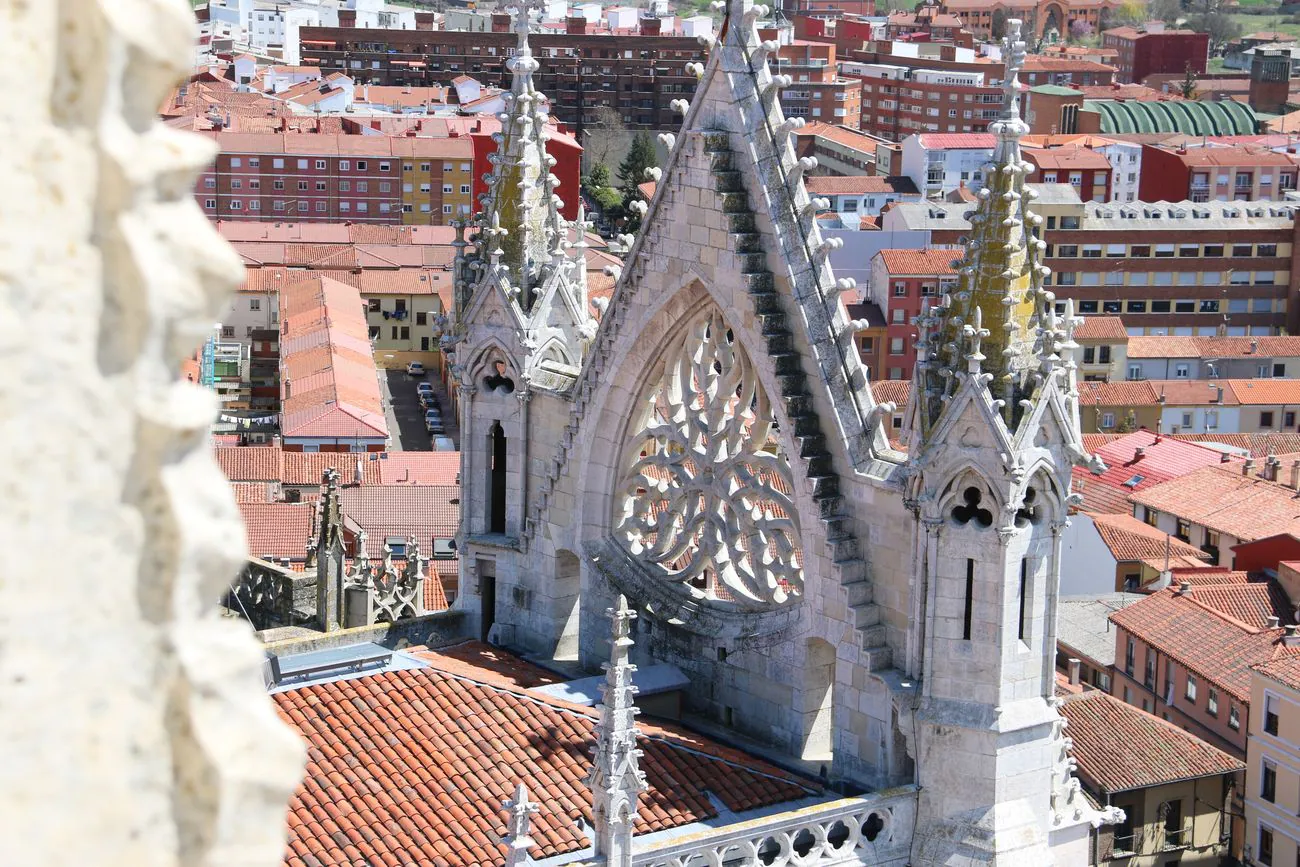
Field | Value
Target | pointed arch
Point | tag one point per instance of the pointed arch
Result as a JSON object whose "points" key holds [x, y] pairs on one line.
{"points": [[960, 480]]}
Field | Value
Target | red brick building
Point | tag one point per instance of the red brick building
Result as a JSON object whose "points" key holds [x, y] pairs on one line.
{"points": [[1143, 52], [818, 92], [1088, 171], [1222, 174], [900, 279]]}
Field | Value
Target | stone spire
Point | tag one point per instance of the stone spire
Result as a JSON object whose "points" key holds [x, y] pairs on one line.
{"points": [[328, 552], [522, 222], [616, 780], [997, 323], [518, 839]]}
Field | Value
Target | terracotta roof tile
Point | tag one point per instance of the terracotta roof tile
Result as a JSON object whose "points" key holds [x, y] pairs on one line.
{"points": [[858, 185], [1257, 444], [410, 767], [1251, 603], [1201, 638], [1131, 539], [250, 463], [1265, 392], [1285, 670], [423, 511], [1120, 747], [1101, 328], [1164, 346], [919, 262], [1195, 392], [1246, 507], [959, 141], [1120, 393], [278, 529], [896, 391], [1160, 461], [1069, 157]]}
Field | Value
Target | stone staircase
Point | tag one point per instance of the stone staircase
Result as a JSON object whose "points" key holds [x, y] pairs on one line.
{"points": [[845, 545]]}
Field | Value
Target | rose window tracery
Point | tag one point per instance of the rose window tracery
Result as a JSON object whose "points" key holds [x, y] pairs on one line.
{"points": [[707, 491]]}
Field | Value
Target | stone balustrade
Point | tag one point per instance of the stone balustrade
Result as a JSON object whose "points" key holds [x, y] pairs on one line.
{"points": [[874, 829]]}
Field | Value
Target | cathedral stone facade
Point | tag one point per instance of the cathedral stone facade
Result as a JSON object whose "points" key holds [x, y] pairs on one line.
{"points": [[707, 447]]}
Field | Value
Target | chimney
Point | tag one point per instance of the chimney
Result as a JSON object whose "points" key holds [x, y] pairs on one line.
{"points": [[1074, 671], [1295, 475], [1138, 453], [1254, 346], [1271, 464], [1273, 621], [1184, 588], [1158, 438], [1248, 467], [1225, 457], [359, 475], [1292, 636]]}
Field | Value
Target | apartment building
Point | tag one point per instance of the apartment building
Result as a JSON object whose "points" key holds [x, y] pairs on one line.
{"points": [[840, 149], [818, 92], [1118, 407], [321, 177], [1222, 174], [861, 195], [900, 280], [1215, 508], [940, 163], [1194, 358], [1087, 171], [1177, 268], [1151, 49], [1102, 350], [899, 99], [1172, 786], [636, 73], [1273, 760]]}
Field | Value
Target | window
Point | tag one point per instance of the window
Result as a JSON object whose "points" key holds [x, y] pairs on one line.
{"points": [[1210, 305], [210, 183], [424, 167], [900, 290], [1270, 715], [320, 207], [1128, 659], [1150, 516], [384, 167], [209, 203], [1089, 355], [1087, 306], [1111, 307], [1184, 531], [278, 184], [464, 188], [1160, 306], [1184, 306], [302, 164], [1214, 250], [1181, 371], [236, 205], [1188, 250], [277, 163], [1164, 251], [254, 184], [407, 167], [1242, 249], [1108, 419], [1190, 692], [1137, 307], [895, 346], [446, 188], [320, 186], [373, 305], [1212, 702], [320, 165], [235, 162], [344, 165], [446, 209], [1279, 370], [1067, 251], [1268, 782], [1266, 250], [302, 185], [1234, 718], [970, 599], [254, 205], [254, 162], [1149, 676], [345, 186], [345, 206], [1140, 251], [1265, 852], [1266, 419], [896, 316]]}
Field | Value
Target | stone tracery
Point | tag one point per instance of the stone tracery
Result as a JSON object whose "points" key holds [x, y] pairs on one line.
{"points": [[707, 491]]}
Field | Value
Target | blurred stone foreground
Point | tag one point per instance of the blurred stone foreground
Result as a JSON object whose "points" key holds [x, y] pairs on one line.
{"points": [[134, 728]]}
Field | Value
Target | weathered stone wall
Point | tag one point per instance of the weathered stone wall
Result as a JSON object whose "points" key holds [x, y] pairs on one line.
{"points": [[136, 730]]}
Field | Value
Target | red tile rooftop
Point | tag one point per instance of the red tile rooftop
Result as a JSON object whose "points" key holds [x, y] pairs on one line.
{"points": [[1120, 747], [1245, 507], [1131, 539], [1101, 328], [858, 185], [920, 263], [411, 767]]}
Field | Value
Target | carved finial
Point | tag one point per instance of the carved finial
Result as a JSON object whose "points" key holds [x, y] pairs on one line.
{"points": [[518, 839], [616, 779]]}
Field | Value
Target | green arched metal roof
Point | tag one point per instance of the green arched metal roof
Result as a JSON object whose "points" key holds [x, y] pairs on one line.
{"points": [[1185, 116]]}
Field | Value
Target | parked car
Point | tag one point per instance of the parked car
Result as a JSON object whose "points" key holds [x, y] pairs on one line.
{"points": [[415, 368], [433, 419], [424, 388], [444, 444], [429, 400], [435, 427]]}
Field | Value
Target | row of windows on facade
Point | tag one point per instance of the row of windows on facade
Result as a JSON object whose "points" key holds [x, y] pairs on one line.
{"points": [[322, 207], [344, 165], [967, 114], [210, 183], [509, 51], [1190, 688], [994, 97], [1204, 305], [1157, 251], [1161, 278], [1210, 421]]}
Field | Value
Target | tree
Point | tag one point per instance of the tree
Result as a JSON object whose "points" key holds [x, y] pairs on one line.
{"points": [[597, 188], [1220, 27], [1188, 85], [999, 26], [1163, 10], [605, 136], [1133, 13], [631, 172]]}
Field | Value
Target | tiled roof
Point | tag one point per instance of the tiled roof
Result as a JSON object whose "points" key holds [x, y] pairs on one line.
{"points": [[419, 468], [1265, 392], [1163, 346], [1195, 392], [959, 141], [423, 511], [922, 263], [1069, 157], [1120, 747], [253, 492], [1257, 444], [411, 767], [1131, 539], [1039, 63], [1160, 461], [1083, 624], [278, 529], [1101, 328], [1251, 602], [328, 379], [841, 135], [1119, 393], [250, 463], [1201, 638], [858, 185], [896, 391], [1285, 670], [1246, 507]]}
